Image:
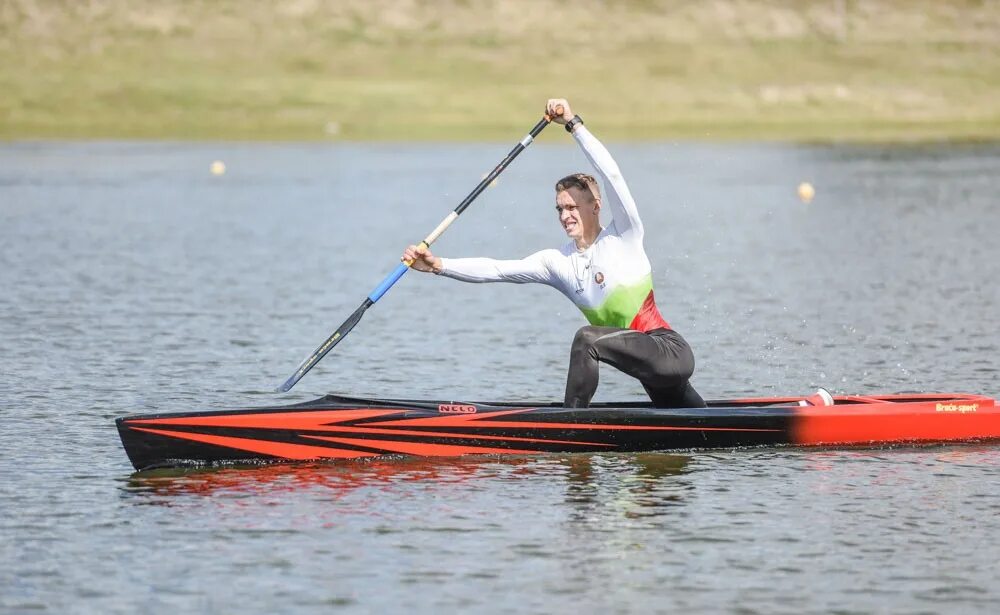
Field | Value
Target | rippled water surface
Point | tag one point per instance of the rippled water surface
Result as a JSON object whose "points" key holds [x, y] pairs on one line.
{"points": [[131, 280]]}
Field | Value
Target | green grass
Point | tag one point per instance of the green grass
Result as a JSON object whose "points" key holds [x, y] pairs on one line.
{"points": [[641, 69]]}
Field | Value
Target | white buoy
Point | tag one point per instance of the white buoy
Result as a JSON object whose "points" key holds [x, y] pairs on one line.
{"points": [[806, 192], [218, 168]]}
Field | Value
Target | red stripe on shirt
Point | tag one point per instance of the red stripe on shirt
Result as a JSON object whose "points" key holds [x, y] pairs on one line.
{"points": [[649, 317]]}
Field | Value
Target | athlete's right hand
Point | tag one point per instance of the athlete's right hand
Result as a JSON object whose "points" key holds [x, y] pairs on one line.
{"points": [[422, 259], [558, 109]]}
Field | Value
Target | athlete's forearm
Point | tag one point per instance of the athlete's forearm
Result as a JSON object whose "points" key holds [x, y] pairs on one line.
{"points": [[617, 195], [530, 269]]}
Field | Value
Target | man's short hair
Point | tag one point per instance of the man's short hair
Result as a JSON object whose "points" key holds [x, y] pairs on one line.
{"points": [[580, 181]]}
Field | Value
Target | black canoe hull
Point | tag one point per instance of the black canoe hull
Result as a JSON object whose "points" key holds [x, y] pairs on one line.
{"points": [[345, 428]]}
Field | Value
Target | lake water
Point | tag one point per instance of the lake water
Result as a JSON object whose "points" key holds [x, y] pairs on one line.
{"points": [[132, 280]]}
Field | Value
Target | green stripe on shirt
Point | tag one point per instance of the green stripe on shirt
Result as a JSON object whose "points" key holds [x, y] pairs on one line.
{"points": [[621, 306]]}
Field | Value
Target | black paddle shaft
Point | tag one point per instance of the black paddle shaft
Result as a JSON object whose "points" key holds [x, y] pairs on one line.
{"points": [[393, 277], [539, 127]]}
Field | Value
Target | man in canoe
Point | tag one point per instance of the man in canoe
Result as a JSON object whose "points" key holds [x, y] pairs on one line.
{"points": [[605, 272]]}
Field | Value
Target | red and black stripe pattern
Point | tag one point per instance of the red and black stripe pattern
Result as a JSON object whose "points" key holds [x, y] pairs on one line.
{"points": [[335, 427], [343, 428]]}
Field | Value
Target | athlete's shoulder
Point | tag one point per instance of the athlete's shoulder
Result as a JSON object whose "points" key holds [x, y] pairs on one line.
{"points": [[548, 256], [566, 250], [612, 234]]}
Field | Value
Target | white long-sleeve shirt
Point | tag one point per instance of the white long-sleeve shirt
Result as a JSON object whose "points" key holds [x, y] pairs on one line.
{"points": [[611, 281]]}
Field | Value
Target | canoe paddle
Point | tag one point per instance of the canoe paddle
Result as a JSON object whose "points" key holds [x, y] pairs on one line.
{"points": [[393, 277]]}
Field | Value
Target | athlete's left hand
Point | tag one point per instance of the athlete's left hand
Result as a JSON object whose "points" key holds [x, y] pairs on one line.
{"points": [[551, 109]]}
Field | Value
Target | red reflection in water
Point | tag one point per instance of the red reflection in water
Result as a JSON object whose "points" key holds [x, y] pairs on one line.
{"points": [[345, 476], [335, 479]]}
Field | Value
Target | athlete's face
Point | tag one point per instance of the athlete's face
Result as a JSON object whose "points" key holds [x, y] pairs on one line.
{"points": [[579, 213]]}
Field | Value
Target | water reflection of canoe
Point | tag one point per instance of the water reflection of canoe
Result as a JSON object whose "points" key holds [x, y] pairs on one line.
{"points": [[336, 427]]}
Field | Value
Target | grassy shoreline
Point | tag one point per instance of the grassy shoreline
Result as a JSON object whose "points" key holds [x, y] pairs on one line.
{"points": [[462, 70]]}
